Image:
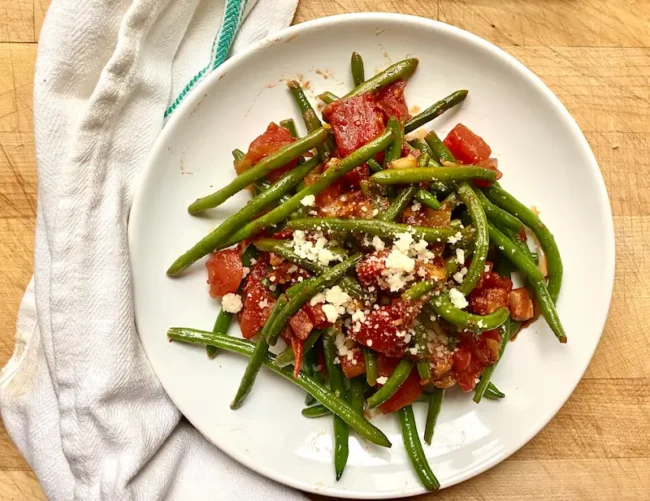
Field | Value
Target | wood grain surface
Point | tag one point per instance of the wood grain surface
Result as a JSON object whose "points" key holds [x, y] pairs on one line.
{"points": [[595, 56]]}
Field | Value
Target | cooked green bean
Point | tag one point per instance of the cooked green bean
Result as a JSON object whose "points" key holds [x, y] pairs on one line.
{"points": [[414, 449], [396, 207], [507, 202], [290, 125], [316, 411], [268, 164], [279, 247], [512, 253], [335, 404], [238, 154], [394, 151], [493, 393], [435, 402], [431, 174], [372, 227], [393, 383], [251, 209], [398, 71], [221, 324], [287, 357], [373, 165], [498, 216], [423, 160], [312, 122], [423, 196], [358, 73], [331, 175], [327, 97], [443, 307], [371, 366], [420, 144], [483, 384], [355, 394], [421, 341], [419, 289], [481, 240], [341, 431], [440, 151], [435, 110], [306, 290], [319, 378]]}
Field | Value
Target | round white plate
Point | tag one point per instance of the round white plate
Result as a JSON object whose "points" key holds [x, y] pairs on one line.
{"points": [[546, 162]]}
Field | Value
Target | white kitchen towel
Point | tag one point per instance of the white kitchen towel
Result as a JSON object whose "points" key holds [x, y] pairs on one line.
{"points": [[78, 397]]}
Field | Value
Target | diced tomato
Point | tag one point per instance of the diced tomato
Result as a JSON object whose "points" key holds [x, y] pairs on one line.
{"points": [[386, 365], [520, 304], [491, 280], [426, 216], [320, 358], [467, 147], [407, 393], [462, 359], [329, 194], [391, 100], [287, 272], [263, 145], [473, 354], [490, 163], [298, 347], [349, 204], [355, 121], [354, 367], [487, 301], [225, 272], [301, 324], [385, 329], [316, 315], [371, 267], [258, 303], [283, 234]]}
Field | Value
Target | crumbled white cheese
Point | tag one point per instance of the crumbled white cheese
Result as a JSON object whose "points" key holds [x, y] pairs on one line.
{"points": [[308, 201], [460, 275], [336, 296], [486, 269], [378, 243], [358, 316], [382, 380], [399, 261], [460, 256], [457, 299], [403, 241], [313, 251], [342, 348], [331, 312], [325, 256], [245, 271], [416, 206], [369, 342], [480, 324], [231, 303], [318, 298], [455, 238]]}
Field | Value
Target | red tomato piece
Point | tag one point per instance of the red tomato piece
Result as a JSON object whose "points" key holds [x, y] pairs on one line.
{"points": [[487, 301], [349, 204], [316, 315], [371, 267], [298, 347], [355, 121], [391, 100], [225, 272], [263, 145], [490, 163], [520, 304], [354, 367], [386, 365], [329, 194], [408, 393], [426, 216], [467, 147], [301, 324], [473, 354], [386, 329], [258, 303]]}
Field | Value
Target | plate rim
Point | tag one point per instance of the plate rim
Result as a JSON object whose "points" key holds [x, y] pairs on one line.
{"points": [[194, 99]]}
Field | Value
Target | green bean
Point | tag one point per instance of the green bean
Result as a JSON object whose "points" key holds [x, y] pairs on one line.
{"points": [[395, 149], [498, 216], [481, 240], [416, 291], [510, 204], [279, 247], [251, 209], [421, 341], [396, 207], [398, 71], [290, 125], [312, 122], [320, 379], [443, 308], [423, 160], [427, 199], [372, 227], [487, 373], [440, 151], [358, 73], [316, 411], [331, 175], [287, 357], [420, 144], [431, 174], [493, 393], [327, 97], [305, 291], [435, 402], [373, 165], [414, 449], [355, 394], [514, 251], [393, 383], [371, 366], [268, 164], [238, 154], [341, 431], [335, 404], [435, 110]]}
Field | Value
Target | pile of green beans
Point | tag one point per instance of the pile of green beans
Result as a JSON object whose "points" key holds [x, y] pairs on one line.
{"points": [[484, 221]]}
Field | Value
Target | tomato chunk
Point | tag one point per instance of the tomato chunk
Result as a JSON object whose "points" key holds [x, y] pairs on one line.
{"points": [[391, 100], [473, 354], [354, 367], [520, 304], [274, 138], [316, 315], [467, 147], [258, 303], [355, 121], [408, 393], [298, 347], [225, 272], [301, 324], [426, 216]]}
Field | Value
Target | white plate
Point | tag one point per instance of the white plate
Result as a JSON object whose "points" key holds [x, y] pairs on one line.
{"points": [[546, 162]]}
